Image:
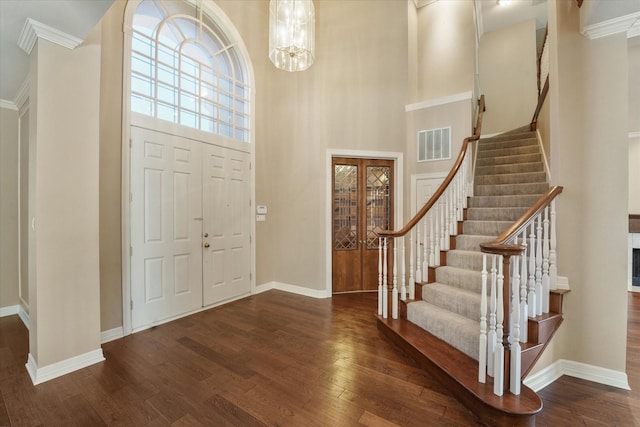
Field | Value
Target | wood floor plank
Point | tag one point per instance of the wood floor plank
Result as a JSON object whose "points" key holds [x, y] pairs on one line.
{"points": [[275, 359]]}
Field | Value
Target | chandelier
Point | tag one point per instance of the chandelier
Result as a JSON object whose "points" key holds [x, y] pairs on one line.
{"points": [[291, 34]]}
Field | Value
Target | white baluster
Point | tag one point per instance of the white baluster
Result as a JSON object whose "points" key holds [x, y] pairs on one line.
{"points": [[515, 289], [498, 368], [436, 249], [524, 310], [482, 349], [419, 278], [452, 215], [432, 257], [380, 291], [446, 216], [553, 267], [412, 280], [425, 262], [491, 337], [403, 288], [544, 296], [394, 294], [385, 286], [443, 226], [516, 363], [531, 299], [539, 266]]}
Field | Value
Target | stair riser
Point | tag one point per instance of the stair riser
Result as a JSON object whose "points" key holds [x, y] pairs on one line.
{"points": [[463, 279], [470, 260], [525, 201], [509, 160], [495, 214], [511, 178], [510, 189], [509, 168], [529, 149], [523, 133], [485, 228], [471, 243], [509, 143]]}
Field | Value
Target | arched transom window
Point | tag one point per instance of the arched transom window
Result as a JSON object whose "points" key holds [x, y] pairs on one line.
{"points": [[186, 71]]}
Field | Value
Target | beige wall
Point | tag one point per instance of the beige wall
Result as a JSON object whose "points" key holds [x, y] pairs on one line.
{"points": [[508, 76], [634, 84], [111, 168], [26, 199], [588, 113], [8, 207], [65, 303], [446, 46], [634, 176]]}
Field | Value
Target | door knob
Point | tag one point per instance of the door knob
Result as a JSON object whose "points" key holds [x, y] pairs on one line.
{"points": [[206, 234], [206, 245]]}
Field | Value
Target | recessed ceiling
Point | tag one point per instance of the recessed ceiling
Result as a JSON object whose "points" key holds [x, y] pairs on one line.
{"points": [[496, 16]]}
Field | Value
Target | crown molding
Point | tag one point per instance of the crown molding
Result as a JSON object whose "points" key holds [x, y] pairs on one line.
{"points": [[629, 24], [9, 105], [23, 92], [33, 30]]}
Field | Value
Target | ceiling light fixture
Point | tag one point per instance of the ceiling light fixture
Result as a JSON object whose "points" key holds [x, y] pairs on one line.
{"points": [[292, 34]]}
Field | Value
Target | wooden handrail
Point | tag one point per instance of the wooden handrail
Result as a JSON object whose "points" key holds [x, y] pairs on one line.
{"points": [[541, 98], [544, 42], [501, 245], [454, 170]]}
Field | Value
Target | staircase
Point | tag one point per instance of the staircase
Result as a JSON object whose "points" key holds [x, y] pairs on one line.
{"points": [[509, 178]]}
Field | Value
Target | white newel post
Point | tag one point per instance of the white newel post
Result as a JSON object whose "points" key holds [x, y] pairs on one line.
{"points": [[491, 337], [380, 290], [553, 267], [539, 266], [394, 295], [482, 350], [412, 280], [516, 364], [403, 288], [545, 262], [524, 310], [385, 286], [498, 368], [532, 268]]}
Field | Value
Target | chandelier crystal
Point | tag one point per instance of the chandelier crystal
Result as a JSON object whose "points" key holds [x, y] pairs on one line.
{"points": [[292, 34]]}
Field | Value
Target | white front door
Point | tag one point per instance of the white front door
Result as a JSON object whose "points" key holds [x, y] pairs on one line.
{"points": [[227, 211], [166, 226]]}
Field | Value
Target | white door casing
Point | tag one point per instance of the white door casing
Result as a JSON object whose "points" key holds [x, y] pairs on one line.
{"points": [[166, 226]]}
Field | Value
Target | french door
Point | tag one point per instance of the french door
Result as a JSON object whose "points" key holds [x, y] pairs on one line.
{"points": [[190, 222], [362, 201]]}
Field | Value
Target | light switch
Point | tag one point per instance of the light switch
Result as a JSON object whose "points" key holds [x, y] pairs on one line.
{"points": [[261, 218]]}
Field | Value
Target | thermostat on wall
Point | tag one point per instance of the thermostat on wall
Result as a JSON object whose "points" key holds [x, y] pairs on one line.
{"points": [[261, 209]]}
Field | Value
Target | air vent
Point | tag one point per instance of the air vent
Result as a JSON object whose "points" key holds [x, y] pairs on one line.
{"points": [[434, 144]]}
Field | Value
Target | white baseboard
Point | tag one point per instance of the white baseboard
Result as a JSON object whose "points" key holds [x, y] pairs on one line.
{"points": [[294, 289], [580, 370], [9, 311], [55, 370], [24, 316], [111, 335]]}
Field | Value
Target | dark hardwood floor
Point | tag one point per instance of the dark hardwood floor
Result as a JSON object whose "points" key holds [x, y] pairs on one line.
{"points": [[274, 359]]}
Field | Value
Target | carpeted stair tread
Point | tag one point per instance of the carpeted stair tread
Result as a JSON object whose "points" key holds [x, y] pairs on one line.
{"points": [[458, 331], [460, 301], [485, 227], [520, 200], [511, 178], [511, 189], [509, 143], [467, 242], [508, 160], [509, 168], [529, 149], [459, 277], [496, 214], [470, 260]]}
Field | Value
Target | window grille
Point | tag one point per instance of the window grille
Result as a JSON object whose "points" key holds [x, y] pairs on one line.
{"points": [[434, 144], [185, 70]]}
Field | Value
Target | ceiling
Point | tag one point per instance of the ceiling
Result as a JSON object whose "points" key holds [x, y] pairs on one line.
{"points": [[73, 17], [78, 17]]}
